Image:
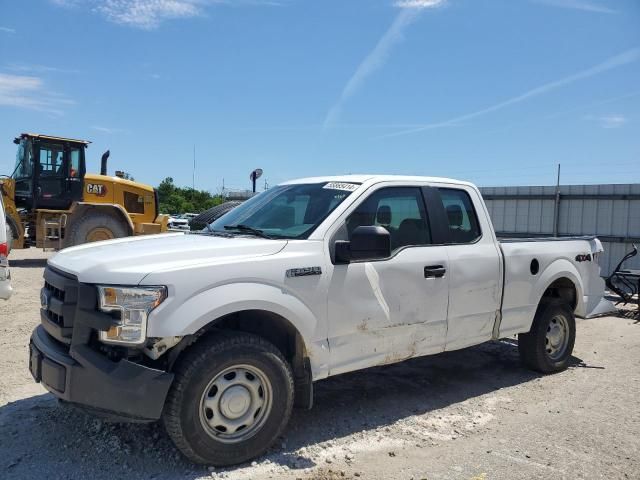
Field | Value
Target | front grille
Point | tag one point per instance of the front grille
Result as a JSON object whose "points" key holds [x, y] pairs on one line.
{"points": [[58, 299], [56, 292]]}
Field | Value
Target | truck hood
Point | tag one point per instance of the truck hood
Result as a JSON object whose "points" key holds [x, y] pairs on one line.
{"points": [[126, 261]]}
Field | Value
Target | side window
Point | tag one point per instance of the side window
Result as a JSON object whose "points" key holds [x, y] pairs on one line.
{"points": [[133, 203], [398, 209], [51, 157], [462, 218], [74, 164]]}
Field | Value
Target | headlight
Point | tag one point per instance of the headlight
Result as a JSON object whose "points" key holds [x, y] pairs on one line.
{"points": [[133, 305]]}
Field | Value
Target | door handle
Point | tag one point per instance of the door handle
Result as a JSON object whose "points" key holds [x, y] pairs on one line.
{"points": [[434, 271]]}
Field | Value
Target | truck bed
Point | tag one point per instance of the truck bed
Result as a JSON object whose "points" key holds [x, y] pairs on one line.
{"points": [[532, 264]]}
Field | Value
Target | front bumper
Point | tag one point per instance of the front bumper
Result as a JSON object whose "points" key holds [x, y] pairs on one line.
{"points": [[80, 375]]}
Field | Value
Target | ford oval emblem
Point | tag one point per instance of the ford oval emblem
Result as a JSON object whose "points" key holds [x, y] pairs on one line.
{"points": [[44, 299]]}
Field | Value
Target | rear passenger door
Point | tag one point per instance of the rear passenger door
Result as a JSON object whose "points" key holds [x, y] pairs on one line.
{"points": [[387, 310], [474, 264]]}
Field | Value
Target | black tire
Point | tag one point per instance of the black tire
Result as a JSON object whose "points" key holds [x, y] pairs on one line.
{"points": [[201, 365], [84, 229], [535, 350]]}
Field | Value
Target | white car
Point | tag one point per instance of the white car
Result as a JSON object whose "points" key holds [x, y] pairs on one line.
{"points": [[5, 274], [220, 333], [177, 223]]}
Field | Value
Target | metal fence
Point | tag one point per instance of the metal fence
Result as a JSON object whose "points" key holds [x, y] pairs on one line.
{"points": [[612, 212]]}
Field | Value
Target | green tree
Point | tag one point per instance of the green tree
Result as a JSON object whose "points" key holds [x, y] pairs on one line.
{"points": [[174, 199]]}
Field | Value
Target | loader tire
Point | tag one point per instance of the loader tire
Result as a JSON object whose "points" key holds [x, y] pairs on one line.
{"points": [[93, 227], [547, 347], [231, 398]]}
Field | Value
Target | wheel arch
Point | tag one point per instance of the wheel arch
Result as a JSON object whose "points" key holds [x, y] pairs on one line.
{"points": [[277, 330], [561, 279], [264, 310], [113, 209]]}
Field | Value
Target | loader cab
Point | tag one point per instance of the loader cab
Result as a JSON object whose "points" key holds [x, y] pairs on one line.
{"points": [[49, 171]]}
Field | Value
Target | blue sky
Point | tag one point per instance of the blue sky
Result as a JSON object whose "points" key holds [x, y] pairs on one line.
{"points": [[496, 92]]}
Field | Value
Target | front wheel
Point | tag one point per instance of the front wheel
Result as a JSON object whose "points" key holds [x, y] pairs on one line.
{"points": [[231, 398], [547, 347]]}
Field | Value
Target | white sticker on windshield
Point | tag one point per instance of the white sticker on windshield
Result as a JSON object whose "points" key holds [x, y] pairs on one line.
{"points": [[349, 187]]}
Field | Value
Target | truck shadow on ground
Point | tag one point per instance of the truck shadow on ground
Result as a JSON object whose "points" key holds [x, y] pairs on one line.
{"points": [[39, 435]]}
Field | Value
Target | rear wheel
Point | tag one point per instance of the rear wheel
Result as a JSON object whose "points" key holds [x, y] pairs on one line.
{"points": [[547, 347], [231, 398], [94, 226]]}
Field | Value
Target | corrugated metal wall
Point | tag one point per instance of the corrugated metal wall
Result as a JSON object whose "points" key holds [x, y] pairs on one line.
{"points": [[612, 212]]}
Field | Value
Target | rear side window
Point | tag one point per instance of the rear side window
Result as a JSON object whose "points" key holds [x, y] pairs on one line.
{"points": [[461, 216], [133, 203], [398, 209]]}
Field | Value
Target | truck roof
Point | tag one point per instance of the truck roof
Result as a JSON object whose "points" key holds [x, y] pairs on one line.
{"points": [[51, 137], [373, 178]]}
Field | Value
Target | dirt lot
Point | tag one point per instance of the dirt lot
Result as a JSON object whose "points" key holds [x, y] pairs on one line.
{"points": [[471, 414]]}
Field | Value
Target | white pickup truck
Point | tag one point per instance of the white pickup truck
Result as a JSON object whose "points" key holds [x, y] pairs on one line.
{"points": [[5, 274], [220, 333]]}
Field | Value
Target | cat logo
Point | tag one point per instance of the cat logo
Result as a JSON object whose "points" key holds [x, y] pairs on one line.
{"points": [[97, 189]]}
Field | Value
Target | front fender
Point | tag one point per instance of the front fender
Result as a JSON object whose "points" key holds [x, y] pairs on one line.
{"points": [[209, 305]]}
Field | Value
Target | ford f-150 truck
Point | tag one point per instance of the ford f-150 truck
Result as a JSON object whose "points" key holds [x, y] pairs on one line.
{"points": [[220, 333]]}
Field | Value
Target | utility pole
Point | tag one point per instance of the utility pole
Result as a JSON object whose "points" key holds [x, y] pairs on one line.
{"points": [[193, 180], [556, 209]]}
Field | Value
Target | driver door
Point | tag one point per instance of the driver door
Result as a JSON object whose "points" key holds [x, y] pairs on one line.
{"points": [[388, 310], [57, 180]]}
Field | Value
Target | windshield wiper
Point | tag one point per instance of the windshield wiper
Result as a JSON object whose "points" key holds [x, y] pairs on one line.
{"points": [[210, 232], [248, 229]]}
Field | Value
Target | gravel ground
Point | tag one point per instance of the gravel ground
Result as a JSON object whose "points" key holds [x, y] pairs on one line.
{"points": [[471, 414]]}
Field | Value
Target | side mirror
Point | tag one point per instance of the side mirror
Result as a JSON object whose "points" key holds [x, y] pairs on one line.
{"points": [[367, 243]]}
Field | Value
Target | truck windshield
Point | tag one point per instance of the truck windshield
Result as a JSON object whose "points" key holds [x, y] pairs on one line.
{"points": [[24, 161], [285, 211]]}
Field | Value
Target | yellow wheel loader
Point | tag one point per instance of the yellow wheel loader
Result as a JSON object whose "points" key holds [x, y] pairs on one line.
{"points": [[51, 202]]}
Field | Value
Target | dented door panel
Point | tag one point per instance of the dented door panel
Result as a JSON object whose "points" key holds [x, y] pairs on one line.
{"points": [[386, 311]]}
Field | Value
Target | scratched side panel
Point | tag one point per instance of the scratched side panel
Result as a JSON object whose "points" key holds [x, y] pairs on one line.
{"points": [[387, 311]]}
